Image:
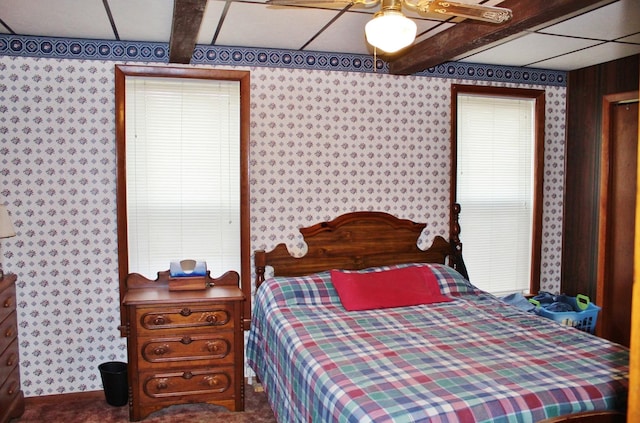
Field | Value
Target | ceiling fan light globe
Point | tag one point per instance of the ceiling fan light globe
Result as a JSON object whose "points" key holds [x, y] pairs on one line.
{"points": [[390, 31]]}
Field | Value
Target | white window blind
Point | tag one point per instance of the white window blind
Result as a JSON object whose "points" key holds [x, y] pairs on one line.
{"points": [[495, 145], [183, 173]]}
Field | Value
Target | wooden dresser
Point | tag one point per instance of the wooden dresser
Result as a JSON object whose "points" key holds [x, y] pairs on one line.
{"points": [[184, 346], [11, 396]]}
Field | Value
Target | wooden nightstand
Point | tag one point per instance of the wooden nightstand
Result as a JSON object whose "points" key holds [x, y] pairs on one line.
{"points": [[184, 346], [11, 396]]}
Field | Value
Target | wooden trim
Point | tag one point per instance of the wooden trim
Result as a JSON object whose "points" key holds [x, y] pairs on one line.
{"points": [[187, 18], [538, 185], [608, 102], [633, 409], [46, 400], [121, 194], [57, 399]]}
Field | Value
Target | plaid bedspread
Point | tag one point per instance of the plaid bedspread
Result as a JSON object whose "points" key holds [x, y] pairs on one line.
{"points": [[474, 359]]}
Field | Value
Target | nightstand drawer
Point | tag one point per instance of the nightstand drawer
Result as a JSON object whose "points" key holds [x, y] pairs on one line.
{"points": [[189, 317], [7, 301], [213, 383], [9, 359], [8, 331], [9, 390], [215, 348]]}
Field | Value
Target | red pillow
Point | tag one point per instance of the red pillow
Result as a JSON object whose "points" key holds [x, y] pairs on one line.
{"points": [[402, 287]]}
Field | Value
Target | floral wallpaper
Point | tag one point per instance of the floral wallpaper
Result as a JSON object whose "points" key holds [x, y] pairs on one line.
{"points": [[322, 143], [326, 143]]}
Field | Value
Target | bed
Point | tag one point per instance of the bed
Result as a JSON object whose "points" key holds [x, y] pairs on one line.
{"points": [[325, 350]]}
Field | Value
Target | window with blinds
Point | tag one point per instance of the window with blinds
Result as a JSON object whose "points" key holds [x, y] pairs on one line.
{"points": [[495, 188], [182, 173]]}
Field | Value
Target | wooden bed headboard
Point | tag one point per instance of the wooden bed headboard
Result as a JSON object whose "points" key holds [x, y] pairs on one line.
{"points": [[359, 240]]}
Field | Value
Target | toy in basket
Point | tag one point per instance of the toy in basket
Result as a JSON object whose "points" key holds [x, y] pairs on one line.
{"points": [[578, 312]]}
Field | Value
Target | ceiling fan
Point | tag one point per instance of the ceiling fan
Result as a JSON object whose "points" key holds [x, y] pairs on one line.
{"points": [[390, 30]]}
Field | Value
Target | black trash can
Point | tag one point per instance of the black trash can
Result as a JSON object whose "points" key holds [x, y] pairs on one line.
{"points": [[114, 382]]}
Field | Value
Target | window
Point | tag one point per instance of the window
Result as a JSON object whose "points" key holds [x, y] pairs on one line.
{"points": [[183, 184], [182, 170], [497, 154]]}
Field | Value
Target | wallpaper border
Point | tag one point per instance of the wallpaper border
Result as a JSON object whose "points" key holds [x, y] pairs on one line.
{"points": [[70, 48]]}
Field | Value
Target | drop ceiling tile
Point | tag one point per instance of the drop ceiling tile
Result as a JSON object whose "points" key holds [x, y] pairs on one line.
{"points": [[601, 53], [257, 25], [210, 21], [63, 18], [156, 15], [346, 34], [631, 39], [429, 28], [528, 49], [609, 22]]}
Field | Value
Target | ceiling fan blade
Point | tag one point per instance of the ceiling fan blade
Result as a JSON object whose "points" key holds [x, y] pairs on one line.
{"points": [[305, 2], [472, 11], [300, 2]]}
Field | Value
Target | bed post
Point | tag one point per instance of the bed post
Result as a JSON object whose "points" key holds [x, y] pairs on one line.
{"points": [[455, 241], [260, 259]]}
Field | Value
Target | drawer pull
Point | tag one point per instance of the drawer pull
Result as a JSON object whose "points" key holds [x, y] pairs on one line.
{"points": [[213, 381], [187, 375], [215, 346], [9, 333], [161, 350], [11, 360], [212, 318], [186, 311], [159, 320], [162, 384], [8, 302], [13, 388], [186, 340]]}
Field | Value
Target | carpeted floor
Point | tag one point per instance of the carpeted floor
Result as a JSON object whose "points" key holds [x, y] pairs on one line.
{"points": [[91, 407]]}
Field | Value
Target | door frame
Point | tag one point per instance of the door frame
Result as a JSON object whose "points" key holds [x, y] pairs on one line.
{"points": [[609, 101]]}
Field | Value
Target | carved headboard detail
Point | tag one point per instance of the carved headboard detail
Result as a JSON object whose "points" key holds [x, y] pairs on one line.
{"points": [[358, 240]]}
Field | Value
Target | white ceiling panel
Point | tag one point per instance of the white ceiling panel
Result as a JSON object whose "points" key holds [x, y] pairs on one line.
{"points": [[428, 29], [591, 56], [610, 22], [528, 49], [631, 39], [258, 25], [129, 14], [347, 32], [210, 21], [59, 18]]}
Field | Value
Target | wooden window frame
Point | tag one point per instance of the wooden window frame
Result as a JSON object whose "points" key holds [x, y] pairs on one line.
{"points": [[243, 77], [538, 165]]}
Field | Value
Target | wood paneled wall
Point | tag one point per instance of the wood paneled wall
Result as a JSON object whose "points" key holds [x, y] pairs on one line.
{"points": [[585, 89], [633, 409]]}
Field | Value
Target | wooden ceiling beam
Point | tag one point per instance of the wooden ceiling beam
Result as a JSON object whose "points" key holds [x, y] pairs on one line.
{"points": [[187, 17], [470, 35]]}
